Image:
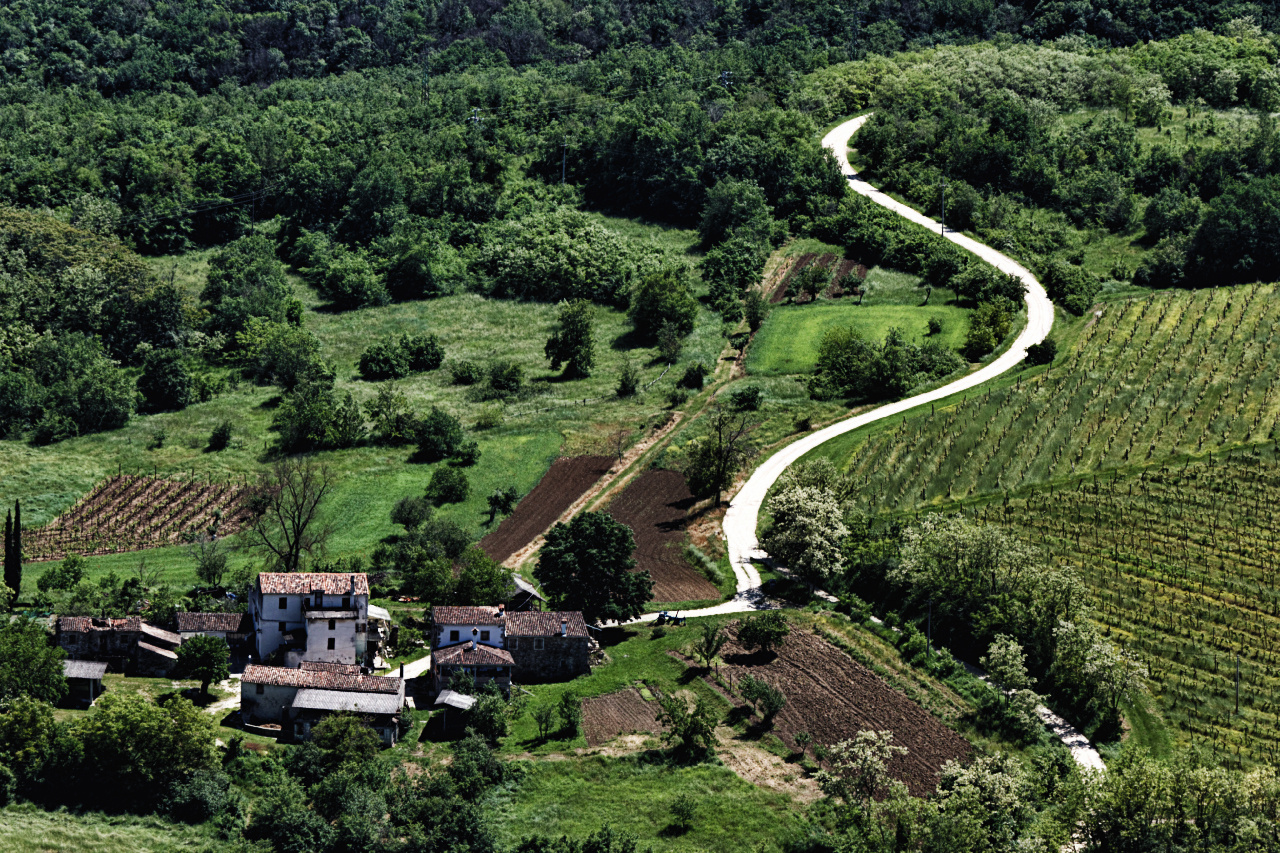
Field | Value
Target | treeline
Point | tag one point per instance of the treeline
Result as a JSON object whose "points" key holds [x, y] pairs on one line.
{"points": [[987, 123]]}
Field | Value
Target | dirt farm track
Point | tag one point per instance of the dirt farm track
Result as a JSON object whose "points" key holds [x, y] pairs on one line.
{"points": [[833, 697]]}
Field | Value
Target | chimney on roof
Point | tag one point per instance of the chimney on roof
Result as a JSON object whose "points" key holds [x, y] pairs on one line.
{"points": [[502, 608], [564, 627]]}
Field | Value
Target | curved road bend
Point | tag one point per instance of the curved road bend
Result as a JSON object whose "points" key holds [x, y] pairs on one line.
{"points": [[743, 515]]}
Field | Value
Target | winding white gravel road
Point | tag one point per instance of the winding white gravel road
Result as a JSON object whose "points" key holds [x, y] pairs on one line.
{"points": [[744, 510]]}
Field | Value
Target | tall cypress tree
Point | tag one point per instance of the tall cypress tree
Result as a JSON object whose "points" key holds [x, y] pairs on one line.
{"points": [[16, 541], [8, 549]]}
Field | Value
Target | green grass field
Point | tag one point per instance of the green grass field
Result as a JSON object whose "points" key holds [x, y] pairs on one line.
{"points": [[26, 828], [788, 341]]}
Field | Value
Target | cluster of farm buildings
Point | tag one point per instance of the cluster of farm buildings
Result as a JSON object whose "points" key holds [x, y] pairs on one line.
{"points": [[309, 641]]}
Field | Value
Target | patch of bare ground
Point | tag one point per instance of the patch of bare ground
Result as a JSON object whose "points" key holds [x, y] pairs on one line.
{"points": [[764, 769], [625, 712], [654, 506]]}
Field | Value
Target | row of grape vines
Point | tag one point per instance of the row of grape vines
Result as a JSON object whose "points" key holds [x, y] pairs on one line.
{"points": [[1151, 378], [131, 512]]}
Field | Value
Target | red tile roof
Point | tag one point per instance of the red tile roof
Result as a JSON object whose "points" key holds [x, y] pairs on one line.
{"points": [[326, 666], [303, 583], [481, 655], [84, 624], [466, 616], [283, 677], [233, 623], [535, 624]]}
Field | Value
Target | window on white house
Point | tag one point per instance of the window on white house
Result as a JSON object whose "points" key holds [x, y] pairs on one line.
{"points": [[484, 635], [333, 623], [284, 603], [453, 636], [282, 628], [538, 644], [331, 644]]}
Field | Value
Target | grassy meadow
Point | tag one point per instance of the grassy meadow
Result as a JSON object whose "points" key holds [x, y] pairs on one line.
{"points": [[24, 828]]}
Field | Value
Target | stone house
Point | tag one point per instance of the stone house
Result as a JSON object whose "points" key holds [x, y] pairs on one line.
{"points": [[126, 645], [494, 644], [299, 698], [235, 628], [311, 616]]}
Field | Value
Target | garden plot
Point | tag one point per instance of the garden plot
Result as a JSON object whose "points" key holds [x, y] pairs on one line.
{"points": [[566, 481], [625, 712], [654, 506]]}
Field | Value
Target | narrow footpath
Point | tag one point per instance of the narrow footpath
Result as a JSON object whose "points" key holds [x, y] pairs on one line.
{"points": [[742, 518]]}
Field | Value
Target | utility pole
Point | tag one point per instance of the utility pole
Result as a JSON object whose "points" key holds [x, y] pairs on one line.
{"points": [[944, 205], [1237, 685], [929, 630], [563, 149]]}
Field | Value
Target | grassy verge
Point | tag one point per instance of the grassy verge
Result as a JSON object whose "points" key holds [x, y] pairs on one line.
{"points": [[24, 828]]}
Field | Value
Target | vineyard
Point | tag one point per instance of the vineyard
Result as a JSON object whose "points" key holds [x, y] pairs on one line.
{"points": [[1152, 378], [130, 513], [838, 270], [1183, 563]]}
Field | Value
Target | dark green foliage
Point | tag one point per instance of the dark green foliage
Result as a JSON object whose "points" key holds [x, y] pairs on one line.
{"points": [[349, 281], [735, 206], [754, 310], [505, 378], [587, 565], [979, 282], [481, 580], [570, 713], [468, 454], [280, 354], [714, 459], [448, 486], [201, 797], [1072, 287], [30, 665], [746, 399], [245, 280], [605, 840], [851, 366], [765, 631], [988, 326], [410, 512], [1042, 353], [204, 658], [571, 342], [165, 384], [663, 298], [694, 375], [402, 357], [13, 549], [466, 372], [393, 422], [220, 438], [628, 379], [502, 502], [1239, 237], [311, 417], [439, 435], [767, 699]]}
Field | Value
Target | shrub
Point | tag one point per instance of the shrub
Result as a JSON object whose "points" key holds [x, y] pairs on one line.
{"points": [[765, 631], [439, 434], [468, 454], [935, 325], [683, 809], [746, 399], [694, 375], [677, 398], [629, 380], [448, 486], [489, 418], [506, 377], [570, 713], [423, 352], [201, 796], [383, 360], [767, 699], [1042, 353], [466, 372], [410, 512], [165, 383]]}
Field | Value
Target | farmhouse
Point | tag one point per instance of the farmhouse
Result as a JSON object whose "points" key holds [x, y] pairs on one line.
{"points": [[299, 698], [307, 616], [235, 628], [493, 644], [124, 645]]}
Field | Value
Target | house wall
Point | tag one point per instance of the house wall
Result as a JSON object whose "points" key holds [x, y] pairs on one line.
{"points": [[560, 658], [348, 646], [267, 616], [117, 649], [497, 635], [267, 707]]}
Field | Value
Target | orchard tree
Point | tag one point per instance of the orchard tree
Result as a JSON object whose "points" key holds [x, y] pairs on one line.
{"points": [[708, 646], [859, 778], [411, 512], [808, 533], [205, 659], [587, 565], [571, 342], [502, 502], [693, 730], [482, 580], [715, 458], [766, 631], [165, 383]]}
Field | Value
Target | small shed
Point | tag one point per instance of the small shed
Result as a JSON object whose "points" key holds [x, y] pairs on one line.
{"points": [[84, 680], [311, 705], [525, 596], [450, 699]]}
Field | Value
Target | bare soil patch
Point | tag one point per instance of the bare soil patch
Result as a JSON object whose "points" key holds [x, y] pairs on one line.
{"points": [[764, 769], [654, 506], [566, 481], [132, 512], [833, 697], [623, 713]]}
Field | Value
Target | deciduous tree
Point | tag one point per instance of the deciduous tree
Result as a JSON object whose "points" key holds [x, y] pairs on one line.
{"points": [[587, 565], [287, 530], [204, 658], [572, 343]]}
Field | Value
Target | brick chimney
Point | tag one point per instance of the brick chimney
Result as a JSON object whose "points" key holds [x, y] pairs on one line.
{"points": [[564, 627]]}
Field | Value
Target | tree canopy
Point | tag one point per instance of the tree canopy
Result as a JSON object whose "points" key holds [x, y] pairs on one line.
{"points": [[587, 564]]}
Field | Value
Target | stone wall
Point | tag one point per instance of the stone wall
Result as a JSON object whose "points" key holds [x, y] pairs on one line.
{"points": [[560, 659]]}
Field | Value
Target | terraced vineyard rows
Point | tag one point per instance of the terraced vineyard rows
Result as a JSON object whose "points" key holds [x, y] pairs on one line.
{"points": [[130, 512], [1151, 378], [1185, 569]]}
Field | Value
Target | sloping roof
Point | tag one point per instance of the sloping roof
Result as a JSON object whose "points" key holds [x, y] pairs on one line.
{"points": [[534, 624], [326, 666], [160, 635], [84, 624], [155, 650], [466, 616], [283, 677], [303, 583], [376, 612], [455, 700], [481, 655], [231, 623], [312, 699], [83, 669]]}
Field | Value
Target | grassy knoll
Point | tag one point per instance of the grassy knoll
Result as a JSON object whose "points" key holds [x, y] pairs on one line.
{"points": [[788, 341], [25, 828], [579, 796]]}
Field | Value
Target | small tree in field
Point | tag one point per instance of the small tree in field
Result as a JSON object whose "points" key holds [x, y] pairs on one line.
{"points": [[545, 718], [803, 739], [708, 646], [683, 809], [692, 729], [570, 714], [571, 343], [206, 659], [765, 632]]}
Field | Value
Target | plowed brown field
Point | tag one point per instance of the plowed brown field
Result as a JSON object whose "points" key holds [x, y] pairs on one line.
{"points": [[621, 713], [654, 506], [833, 697], [567, 479]]}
